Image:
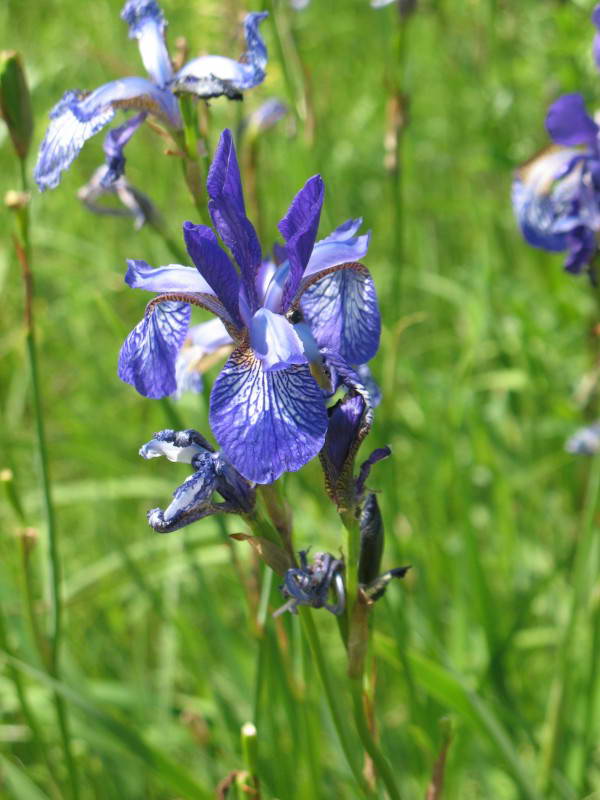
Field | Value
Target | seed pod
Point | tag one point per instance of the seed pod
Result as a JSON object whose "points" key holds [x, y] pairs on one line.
{"points": [[371, 540], [15, 101]]}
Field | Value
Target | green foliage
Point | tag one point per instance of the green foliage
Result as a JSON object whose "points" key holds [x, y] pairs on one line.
{"points": [[484, 344]]}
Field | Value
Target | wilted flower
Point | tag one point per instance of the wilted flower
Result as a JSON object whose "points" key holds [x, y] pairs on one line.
{"points": [[556, 195], [194, 499], [267, 411], [310, 584], [80, 115]]}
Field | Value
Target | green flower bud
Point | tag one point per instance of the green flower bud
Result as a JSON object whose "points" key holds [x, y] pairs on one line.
{"points": [[15, 101]]}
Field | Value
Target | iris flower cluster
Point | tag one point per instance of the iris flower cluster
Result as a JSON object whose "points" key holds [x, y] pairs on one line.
{"points": [[556, 195], [80, 115]]}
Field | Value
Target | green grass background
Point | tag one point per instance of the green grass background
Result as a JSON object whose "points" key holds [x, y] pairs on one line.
{"points": [[485, 342]]}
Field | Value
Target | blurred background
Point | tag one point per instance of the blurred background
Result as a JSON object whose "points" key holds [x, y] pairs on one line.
{"points": [[484, 348]]}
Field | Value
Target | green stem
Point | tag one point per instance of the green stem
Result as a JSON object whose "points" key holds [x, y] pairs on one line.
{"points": [[53, 659], [352, 526], [340, 724], [560, 690], [283, 47], [382, 765], [195, 147]]}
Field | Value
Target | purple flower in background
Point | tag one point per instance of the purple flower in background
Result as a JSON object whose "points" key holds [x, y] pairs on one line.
{"points": [[267, 411], [585, 441], [556, 195], [194, 499], [80, 115]]}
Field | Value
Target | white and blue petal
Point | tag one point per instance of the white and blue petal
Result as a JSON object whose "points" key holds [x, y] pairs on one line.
{"points": [[275, 341], [544, 197], [191, 501], [267, 423], [80, 115], [148, 355], [172, 278], [176, 446], [147, 24], [213, 76], [585, 441]]}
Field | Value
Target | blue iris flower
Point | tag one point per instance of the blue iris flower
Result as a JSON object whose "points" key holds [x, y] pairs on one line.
{"points": [[267, 411], [80, 115], [556, 195]]}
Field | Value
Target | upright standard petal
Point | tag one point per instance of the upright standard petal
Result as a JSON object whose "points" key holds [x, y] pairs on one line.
{"points": [[299, 229], [228, 212], [80, 115], [214, 266], [147, 24], [216, 76], [266, 422], [147, 358], [568, 122]]}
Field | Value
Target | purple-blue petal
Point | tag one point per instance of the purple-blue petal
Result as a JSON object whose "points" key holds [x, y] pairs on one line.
{"points": [[214, 266], [299, 229], [114, 144], [267, 423], [148, 355], [191, 501], [343, 314], [596, 46], [172, 278], [228, 213], [342, 440], [274, 341], [581, 249], [568, 122]]}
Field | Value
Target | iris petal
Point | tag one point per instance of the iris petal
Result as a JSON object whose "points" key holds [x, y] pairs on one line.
{"points": [[79, 115], [213, 76], [342, 311], [266, 422], [299, 228], [172, 278], [568, 123], [191, 501], [214, 266], [147, 24], [148, 355], [274, 341], [228, 214]]}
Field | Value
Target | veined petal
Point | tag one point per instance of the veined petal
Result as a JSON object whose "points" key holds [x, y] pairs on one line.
{"points": [[274, 341], [299, 228], [342, 311], [228, 212], [172, 278], [147, 358], [213, 76], [147, 24], [568, 122], [177, 446], [214, 266], [266, 422], [80, 115]]}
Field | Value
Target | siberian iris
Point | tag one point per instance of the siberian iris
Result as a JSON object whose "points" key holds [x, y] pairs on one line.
{"points": [[267, 411], [556, 195], [80, 115]]}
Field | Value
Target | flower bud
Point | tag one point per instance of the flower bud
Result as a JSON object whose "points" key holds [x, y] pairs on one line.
{"points": [[371, 540], [15, 101]]}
